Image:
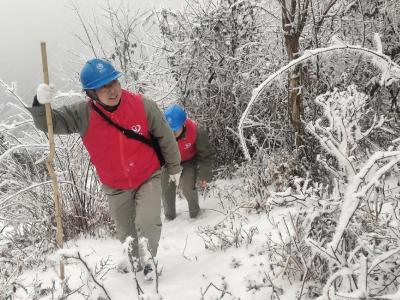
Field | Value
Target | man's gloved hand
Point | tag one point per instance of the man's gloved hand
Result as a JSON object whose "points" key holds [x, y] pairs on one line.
{"points": [[175, 178], [202, 184], [46, 93]]}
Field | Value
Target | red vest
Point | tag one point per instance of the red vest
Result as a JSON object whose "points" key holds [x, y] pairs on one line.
{"points": [[121, 162], [187, 145]]}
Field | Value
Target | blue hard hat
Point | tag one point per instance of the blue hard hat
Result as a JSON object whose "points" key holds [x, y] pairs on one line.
{"points": [[97, 73], [176, 117]]}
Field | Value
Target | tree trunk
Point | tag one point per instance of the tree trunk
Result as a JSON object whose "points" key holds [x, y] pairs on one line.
{"points": [[295, 99]]}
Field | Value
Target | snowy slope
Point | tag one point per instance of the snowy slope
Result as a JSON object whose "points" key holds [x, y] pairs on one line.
{"points": [[189, 271]]}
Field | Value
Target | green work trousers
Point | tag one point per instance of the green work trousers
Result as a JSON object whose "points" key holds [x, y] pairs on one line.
{"points": [[138, 212], [188, 185]]}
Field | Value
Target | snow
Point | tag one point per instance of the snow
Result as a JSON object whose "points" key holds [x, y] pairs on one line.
{"points": [[188, 269], [195, 265]]}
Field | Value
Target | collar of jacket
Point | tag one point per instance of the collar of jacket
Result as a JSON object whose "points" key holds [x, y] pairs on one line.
{"points": [[182, 135]]}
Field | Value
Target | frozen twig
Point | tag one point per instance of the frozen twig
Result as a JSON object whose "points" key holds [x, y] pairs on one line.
{"points": [[78, 256]]}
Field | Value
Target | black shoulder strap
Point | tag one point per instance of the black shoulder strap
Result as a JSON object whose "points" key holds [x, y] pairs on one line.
{"points": [[128, 133], [133, 135]]}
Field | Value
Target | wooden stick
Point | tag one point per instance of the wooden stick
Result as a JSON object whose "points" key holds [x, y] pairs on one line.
{"points": [[49, 161]]}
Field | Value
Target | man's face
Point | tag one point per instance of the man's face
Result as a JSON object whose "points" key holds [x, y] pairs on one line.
{"points": [[110, 94]]}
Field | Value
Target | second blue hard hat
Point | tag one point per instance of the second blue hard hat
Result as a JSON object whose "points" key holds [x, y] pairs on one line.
{"points": [[97, 73], [176, 117]]}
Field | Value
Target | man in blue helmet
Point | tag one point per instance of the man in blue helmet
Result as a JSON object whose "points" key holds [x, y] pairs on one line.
{"points": [[197, 156], [128, 140]]}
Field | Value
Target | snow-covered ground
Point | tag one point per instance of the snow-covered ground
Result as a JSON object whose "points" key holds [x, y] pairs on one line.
{"points": [[189, 271]]}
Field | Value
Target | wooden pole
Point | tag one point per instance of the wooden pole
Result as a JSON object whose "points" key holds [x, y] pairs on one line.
{"points": [[49, 161]]}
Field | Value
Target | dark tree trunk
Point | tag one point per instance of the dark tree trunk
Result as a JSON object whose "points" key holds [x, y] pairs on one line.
{"points": [[295, 99]]}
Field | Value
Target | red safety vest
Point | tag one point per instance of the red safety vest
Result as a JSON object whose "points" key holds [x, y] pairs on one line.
{"points": [[187, 144], [121, 162]]}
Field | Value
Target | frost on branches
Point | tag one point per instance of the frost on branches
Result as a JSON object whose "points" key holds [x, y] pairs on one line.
{"points": [[344, 243], [339, 236], [27, 224], [359, 156]]}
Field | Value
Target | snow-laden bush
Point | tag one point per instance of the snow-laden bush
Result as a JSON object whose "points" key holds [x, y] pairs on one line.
{"points": [[341, 239], [27, 217], [359, 155], [26, 194], [217, 53], [338, 236], [233, 229]]}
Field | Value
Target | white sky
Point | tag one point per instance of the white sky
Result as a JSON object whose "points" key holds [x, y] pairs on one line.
{"points": [[25, 23]]}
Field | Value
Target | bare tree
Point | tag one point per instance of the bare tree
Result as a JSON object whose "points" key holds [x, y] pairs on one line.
{"points": [[295, 16]]}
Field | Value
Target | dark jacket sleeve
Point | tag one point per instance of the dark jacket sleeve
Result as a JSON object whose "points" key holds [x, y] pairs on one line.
{"points": [[205, 155], [159, 128], [66, 119]]}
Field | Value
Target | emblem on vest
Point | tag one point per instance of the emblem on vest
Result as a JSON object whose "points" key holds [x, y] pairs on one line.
{"points": [[136, 128], [187, 146]]}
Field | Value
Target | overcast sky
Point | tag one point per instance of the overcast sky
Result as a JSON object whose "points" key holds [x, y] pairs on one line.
{"points": [[25, 23]]}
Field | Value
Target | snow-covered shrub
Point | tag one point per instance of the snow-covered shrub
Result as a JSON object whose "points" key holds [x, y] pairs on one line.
{"points": [[341, 240], [26, 230], [85, 209], [232, 230], [217, 54], [9, 273], [311, 214], [229, 233], [266, 173], [349, 131], [27, 217], [318, 240], [24, 177]]}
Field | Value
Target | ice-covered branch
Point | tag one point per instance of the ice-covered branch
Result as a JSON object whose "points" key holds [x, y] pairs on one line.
{"points": [[11, 150], [381, 258], [3, 202], [326, 291], [390, 71], [341, 128], [330, 147], [76, 255], [353, 196], [11, 89]]}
